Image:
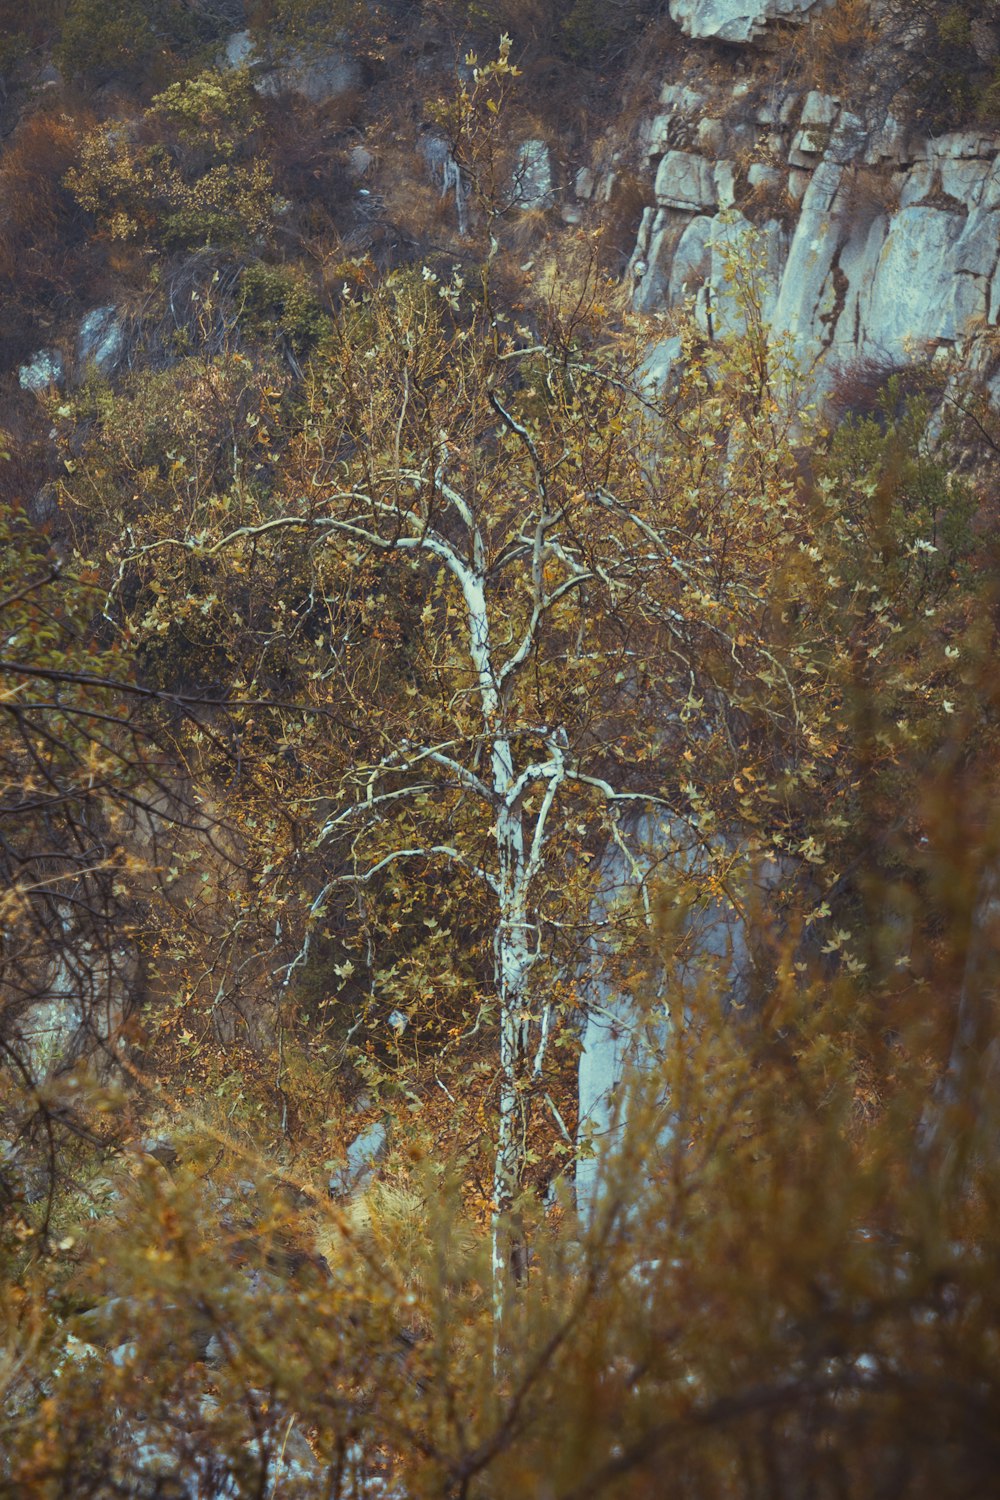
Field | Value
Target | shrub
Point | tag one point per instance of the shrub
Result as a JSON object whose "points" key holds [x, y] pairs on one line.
{"points": [[281, 299], [934, 62], [23, 27], [306, 152], [189, 175], [44, 254], [581, 28], [901, 498], [834, 43], [130, 39], [298, 24]]}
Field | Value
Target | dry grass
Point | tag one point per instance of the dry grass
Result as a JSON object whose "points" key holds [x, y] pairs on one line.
{"points": [[41, 227], [870, 194], [829, 48], [620, 218]]}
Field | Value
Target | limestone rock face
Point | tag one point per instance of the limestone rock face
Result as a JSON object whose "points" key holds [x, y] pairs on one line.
{"points": [[910, 296], [733, 20], [363, 1156], [318, 76], [237, 51], [879, 245], [686, 181], [714, 946]]}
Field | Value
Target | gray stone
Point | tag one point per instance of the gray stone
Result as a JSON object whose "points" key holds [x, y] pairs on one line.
{"points": [[100, 340], [359, 160], [725, 183], [660, 365], [991, 187], [816, 241], [678, 98], [819, 109], [692, 260], [532, 181], [734, 20], [237, 51], [909, 303], [162, 1149], [363, 1155], [848, 140], [887, 143], [685, 181], [763, 176], [655, 251], [798, 182], [778, 109], [735, 238], [583, 184], [319, 76], [43, 372], [964, 179], [606, 187], [86, 998], [713, 948], [978, 248], [710, 137], [816, 129], [654, 136], [918, 184], [958, 144], [857, 263]]}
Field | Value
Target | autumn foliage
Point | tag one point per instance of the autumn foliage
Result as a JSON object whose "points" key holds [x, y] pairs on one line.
{"points": [[371, 615]]}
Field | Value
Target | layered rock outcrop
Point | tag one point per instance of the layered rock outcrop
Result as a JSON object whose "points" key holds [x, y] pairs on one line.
{"points": [[734, 20], [714, 947], [870, 241]]}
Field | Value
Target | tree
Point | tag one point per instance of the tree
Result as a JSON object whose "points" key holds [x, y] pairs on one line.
{"points": [[514, 564], [510, 598]]}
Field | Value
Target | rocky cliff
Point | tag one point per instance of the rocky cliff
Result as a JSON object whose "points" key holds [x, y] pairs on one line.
{"points": [[877, 242]]}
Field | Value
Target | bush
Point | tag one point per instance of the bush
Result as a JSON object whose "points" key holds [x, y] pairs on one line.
{"points": [[282, 300], [581, 30], [44, 254], [935, 63], [189, 175], [128, 40], [901, 497]]}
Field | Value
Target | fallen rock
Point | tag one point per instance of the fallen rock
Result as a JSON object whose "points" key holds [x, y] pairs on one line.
{"points": [[100, 340], [734, 20], [44, 371]]}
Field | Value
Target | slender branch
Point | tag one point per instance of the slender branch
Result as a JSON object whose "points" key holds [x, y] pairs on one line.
{"points": [[426, 852]]}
